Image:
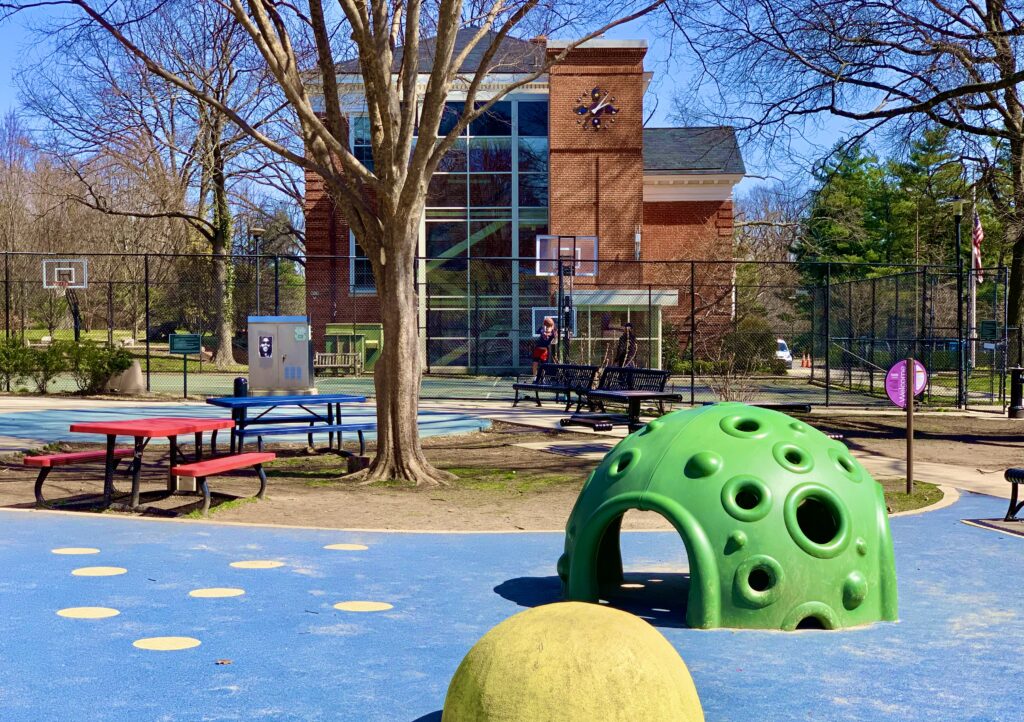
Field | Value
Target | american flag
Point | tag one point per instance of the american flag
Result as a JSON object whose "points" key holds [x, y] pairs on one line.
{"points": [[977, 236]]}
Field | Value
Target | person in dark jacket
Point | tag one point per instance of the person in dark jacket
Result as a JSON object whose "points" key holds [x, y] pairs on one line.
{"points": [[625, 349], [547, 336]]}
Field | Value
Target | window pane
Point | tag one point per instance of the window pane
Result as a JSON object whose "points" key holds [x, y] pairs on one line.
{"points": [[450, 116], [364, 155], [533, 189], [490, 154], [447, 190], [446, 240], [491, 239], [362, 274], [490, 190], [497, 120], [360, 130], [528, 232], [533, 155], [454, 159], [533, 119]]}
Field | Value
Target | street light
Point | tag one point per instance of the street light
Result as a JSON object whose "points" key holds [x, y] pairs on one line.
{"points": [[256, 234]]}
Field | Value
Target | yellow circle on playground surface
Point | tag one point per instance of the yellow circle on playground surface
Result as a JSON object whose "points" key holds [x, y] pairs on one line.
{"points": [[99, 571], [216, 592], [75, 550], [166, 644], [347, 547], [257, 564], [358, 606], [88, 612]]}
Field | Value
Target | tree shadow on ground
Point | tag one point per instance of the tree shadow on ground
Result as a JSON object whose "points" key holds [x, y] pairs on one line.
{"points": [[659, 598]]}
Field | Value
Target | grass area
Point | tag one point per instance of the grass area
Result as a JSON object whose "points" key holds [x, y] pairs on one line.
{"points": [[897, 499], [223, 506], [172, 364]]}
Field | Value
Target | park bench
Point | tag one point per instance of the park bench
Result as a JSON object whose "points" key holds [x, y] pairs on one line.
{"points": [[1015, 477], [337, 362], [307, 431], [201, 470], [567, 379], [48, 462], [619, 378]]}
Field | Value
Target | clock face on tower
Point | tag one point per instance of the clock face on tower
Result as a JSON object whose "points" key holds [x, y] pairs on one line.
{"points": [[596, 109]]}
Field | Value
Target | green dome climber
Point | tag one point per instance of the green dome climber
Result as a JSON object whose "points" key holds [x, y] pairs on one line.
{"points": [[783, 528]]}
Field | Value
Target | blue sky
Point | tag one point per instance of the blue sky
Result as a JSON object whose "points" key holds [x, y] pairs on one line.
{"points": [[16, 40]]}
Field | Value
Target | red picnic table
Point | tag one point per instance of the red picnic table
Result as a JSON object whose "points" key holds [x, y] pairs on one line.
{"points": [[161, 427]]}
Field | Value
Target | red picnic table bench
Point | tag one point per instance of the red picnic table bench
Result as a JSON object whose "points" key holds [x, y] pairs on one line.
{"points": [[142, 431]]}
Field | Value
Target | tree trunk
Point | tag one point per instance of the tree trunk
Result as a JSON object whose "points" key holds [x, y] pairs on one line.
{"points": [[223, 286], [396, 376]]}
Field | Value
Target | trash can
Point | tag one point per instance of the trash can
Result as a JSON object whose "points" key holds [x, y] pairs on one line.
{"points": [[241, 386], [1016, 394]]}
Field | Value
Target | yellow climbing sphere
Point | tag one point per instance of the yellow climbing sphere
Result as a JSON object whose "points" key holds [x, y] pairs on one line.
{"points": [[572, 662]]}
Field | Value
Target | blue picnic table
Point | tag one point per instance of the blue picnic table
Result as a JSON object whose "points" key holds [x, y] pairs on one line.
{"points": [[314, 419]]}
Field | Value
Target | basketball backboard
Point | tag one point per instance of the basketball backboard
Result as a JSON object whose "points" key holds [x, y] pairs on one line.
{"points": [[63, 273], [540, 312], [579, 252]]}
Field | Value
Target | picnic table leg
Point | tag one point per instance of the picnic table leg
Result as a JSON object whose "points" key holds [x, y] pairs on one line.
{"points": [[43, 473], [263, 481], [330, 422], [213, 443], [136, 470], [172, 483], [206, 494], [199, 445], [634, 415], [108, 472]]}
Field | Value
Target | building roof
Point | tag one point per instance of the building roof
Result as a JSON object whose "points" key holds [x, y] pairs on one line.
{"points": [[685, 151], [513, 55]]}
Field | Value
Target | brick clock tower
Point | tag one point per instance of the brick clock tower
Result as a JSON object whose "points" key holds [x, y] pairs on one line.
{"points": [[596, 143]]}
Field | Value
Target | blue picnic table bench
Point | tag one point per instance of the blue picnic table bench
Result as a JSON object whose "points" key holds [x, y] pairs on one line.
{"points": [[314, 419]]}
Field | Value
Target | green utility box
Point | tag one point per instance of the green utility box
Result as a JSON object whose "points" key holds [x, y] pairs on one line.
{"points": [[365, 339]]}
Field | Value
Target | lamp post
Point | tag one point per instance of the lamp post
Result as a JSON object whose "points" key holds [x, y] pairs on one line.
{"points": [[961, 387], [256, 234]]}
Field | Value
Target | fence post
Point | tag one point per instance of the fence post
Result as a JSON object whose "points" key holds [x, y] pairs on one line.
{"points": [[7, 296], [650, 330], [110, 314], [828, 332], [277, 285], [693, 327], [874, 333], [924, 336], [145, 273], [476, 328]]}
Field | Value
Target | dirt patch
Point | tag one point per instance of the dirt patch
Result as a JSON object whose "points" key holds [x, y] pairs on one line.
{"points": [[501, 486], [989, 444]]}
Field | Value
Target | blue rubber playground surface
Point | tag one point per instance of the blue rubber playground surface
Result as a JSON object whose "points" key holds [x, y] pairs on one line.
{"points": [[52, 424], [411, 605]]}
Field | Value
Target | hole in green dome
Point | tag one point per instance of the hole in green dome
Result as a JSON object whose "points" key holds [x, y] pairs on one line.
{"points": [[794, 456], [818, 519], [760, 579], [622, 463], [748, 426], [748, 498], [846, 463], [811, 622]]}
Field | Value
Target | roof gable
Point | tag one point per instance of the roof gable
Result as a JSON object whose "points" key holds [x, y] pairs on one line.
{"points": [[685, 151], [513, 55]]}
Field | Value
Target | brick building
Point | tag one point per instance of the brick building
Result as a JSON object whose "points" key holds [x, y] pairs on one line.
{"points": [[564, 155]]}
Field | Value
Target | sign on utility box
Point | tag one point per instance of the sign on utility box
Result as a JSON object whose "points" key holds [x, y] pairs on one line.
{"points": [[187, 344], [280, 355]]}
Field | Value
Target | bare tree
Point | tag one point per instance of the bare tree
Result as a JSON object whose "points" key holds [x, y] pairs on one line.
{"points": [[110, 119], [407, 58], [776, 66]]}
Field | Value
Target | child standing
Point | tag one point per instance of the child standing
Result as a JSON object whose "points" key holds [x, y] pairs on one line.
{"points": [[547, 336]]}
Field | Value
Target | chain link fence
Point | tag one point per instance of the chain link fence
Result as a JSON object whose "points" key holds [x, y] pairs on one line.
{"points": [[760, 332]]}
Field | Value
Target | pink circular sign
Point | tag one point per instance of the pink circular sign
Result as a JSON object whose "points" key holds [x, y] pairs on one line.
{"points": [[896, 382]]}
